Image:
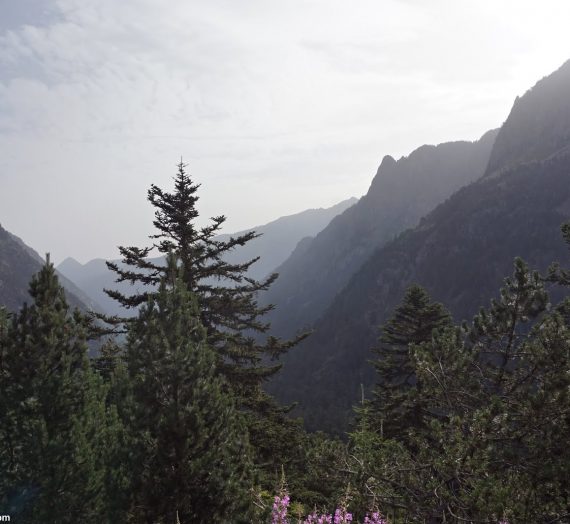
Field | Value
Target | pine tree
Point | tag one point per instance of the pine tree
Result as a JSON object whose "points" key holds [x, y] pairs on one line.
{"points": [[496, 397], [227, 307], [7, 442], [53, 412], [191, 444], [501, 392], [555, 272], [499, 332], [494, 402], [395, 407]]}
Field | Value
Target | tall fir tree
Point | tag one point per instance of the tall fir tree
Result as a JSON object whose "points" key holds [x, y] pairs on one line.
{"points": [[227, 304], [395, 407], [54, 414], [191, 446]]}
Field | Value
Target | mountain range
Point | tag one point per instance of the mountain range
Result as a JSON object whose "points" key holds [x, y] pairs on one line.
{"points": [[450, 217], [400, 194], [276, 242], [460, 252], [18, 263]]}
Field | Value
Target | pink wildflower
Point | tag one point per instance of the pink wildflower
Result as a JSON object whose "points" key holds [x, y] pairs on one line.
{"points": [[374, 518], [341, 516], [280, 507]]}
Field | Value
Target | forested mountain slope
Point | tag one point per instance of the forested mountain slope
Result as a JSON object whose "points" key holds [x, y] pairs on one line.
{"points": [[460, 252], [18, 263], [400, 194], [538, 124], [279, 237]]}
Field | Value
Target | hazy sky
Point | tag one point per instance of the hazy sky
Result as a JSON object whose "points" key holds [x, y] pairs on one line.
{"points": [[277, 106]]}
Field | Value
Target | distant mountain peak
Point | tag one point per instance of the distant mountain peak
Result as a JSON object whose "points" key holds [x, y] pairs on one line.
{"points": [[538, 124], [387, 162], [400, 193], [18, 263], [71, 262], [460, 252], [277, 241]]}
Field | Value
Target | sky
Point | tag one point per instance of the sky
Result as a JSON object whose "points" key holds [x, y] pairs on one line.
{"points": [[276, 106]]}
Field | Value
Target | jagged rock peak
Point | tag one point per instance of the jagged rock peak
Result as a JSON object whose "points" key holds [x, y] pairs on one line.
{"points": [[387, 162], [538, 124]]}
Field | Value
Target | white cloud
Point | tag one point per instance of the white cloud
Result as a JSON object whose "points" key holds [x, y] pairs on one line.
{"points": [[278, 106]]}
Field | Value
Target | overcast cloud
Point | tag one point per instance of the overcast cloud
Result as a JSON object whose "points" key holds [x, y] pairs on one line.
{"points": [[277, 106]]}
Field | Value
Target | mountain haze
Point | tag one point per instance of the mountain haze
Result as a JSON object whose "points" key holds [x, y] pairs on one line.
{"points": [[400, 194], [278, 238], [460, 253], [18, 263], [537, 126]]}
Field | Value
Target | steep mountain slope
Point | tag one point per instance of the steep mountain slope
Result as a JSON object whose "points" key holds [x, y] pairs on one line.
{"points": [[279, 237], [277, 241], [400, 194], [537, 125], [92, 278], [460, 252], [18, 263]]}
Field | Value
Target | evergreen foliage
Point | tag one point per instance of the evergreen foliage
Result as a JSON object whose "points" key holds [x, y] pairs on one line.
{"points": [[396, 403], [192, 458], [496, 397], [556, 273], [53, 447], [226, 298], [460, 253], [227, 307]]}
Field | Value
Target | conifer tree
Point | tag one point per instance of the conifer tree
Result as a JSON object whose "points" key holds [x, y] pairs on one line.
{"points": [[495, 396], [7, 447], [53, 412], [226, 296], [227, 305], [498, 333], [191, 445], [395, 407], [555, 272], [501, 394]]}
